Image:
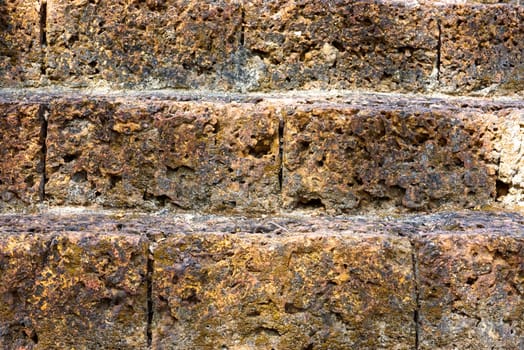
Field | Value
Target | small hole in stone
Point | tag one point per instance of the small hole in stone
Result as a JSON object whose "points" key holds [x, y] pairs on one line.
{"points": [[303, 145], [80, 176], [29, 181], [471, 280], [114, 180], [313, 203], [261, 149], [339, 45], [502, 188], [230, 204], [68, 158]]}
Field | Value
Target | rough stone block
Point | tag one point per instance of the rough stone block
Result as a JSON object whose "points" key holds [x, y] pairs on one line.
{"points": [[471, 289], [20, 52], [360, 156], [84, 290], [510, 178], [151, 43], [385, 46], [124, 152], [21, 157], [481, 49], [283, 292]]}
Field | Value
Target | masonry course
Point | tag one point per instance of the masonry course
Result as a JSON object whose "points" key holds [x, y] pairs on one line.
{"points": [[338, 153], [389, 46], [187, 281]]}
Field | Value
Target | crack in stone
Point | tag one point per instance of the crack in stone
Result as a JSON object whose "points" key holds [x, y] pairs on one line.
{"points": [[242, 25], [280, 153], [43, 34], [43, 23], [43, 114], [149, 306], [439, 49], [416, 312]]}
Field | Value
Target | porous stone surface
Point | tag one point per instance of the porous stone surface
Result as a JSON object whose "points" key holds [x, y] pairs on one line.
{"points": [[511, 164], [307, 291], [71, 287], [21, 157], [399, 153], [454, 47], [214, 152], [262, 45], [20, 53], [123, 280], [203, 155], [481, 49], [152, 43], [471, 286], [386, 46]]}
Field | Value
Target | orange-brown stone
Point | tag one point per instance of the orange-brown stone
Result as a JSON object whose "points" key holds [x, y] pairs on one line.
{"points": [[21, 157], [385, 154], [71, 286], [472, 285], [290, 291], [481, 49], [173, 43], [120, 152], [20, 43]]}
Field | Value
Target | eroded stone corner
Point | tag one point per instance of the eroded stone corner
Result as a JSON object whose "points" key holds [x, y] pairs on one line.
{"points": [[510, 149], [471, 289]]}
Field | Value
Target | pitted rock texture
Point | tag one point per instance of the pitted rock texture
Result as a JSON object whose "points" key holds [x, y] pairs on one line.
{"points": [[466, 48], [471, 289], [83, 280], [257, 153], [188, 155], [295, 292], [386, 46], [481, 49], [360, 156], [511, 164], [174, 43], [71, 289], [21, 156], [20, 43]]}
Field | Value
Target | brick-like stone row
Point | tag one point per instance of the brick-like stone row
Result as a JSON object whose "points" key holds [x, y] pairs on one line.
{"points": [[301, 291], [265, 45], [261, 153], [471, 290], [386, 45], [448, 280]]}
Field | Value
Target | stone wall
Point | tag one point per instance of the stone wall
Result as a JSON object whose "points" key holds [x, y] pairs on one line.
{"points": [[232, 175]]}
